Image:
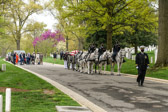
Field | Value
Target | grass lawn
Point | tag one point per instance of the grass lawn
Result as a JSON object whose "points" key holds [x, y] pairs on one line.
{"points": [[51, 60], [30, 93], [129, 67]]}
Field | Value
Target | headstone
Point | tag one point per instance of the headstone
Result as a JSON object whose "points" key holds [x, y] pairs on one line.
{"points": [[3, 67], [72, 109], [1, 103], [156, 52], [58, 56], [139, 49], [132, 51], [146, 49], [151, 59], [129, 54], [51, 55], [150, 48], [133, 57], [8, 100]]}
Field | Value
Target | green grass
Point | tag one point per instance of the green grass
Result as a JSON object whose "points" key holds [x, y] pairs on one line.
{"points": [[51, 60], [129, 67], [34, 100]]}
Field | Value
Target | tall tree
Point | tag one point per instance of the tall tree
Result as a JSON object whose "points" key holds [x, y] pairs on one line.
{"points": [[107, 12], [18, 13], [162, 59], [33, 30]]}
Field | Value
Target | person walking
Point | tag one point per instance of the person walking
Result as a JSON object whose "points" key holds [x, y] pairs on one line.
{"points": [[65, 57], [17, 58], [54, 56], [142, 63], [14, 58], [21, 58], [41, 59]]}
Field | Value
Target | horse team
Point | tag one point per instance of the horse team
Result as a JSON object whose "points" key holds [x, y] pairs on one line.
{"points": [[85, 62]]}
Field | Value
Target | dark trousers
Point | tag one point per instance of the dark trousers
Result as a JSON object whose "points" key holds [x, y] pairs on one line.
{"points": [[114, 56], [14, 61], [141, 76]]}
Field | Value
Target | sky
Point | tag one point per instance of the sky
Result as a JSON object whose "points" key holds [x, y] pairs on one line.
{"points": [[45, 17]]}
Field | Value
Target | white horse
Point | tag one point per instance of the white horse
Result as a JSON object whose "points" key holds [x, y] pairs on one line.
{"points": [[82, 62], [91, 59], [77, 57], [104, 60], [119, 60]]}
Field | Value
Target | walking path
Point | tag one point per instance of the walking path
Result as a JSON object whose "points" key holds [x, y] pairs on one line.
{"points": [[110, 93]]}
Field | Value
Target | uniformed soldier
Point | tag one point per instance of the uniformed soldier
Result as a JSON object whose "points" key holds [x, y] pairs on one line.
{"points": [[142, 63], [65, 57], [101, 50], [91, 48], [116, 49]]}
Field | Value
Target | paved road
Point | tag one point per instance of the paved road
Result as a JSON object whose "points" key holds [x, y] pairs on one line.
{"points": [[112, 93]]}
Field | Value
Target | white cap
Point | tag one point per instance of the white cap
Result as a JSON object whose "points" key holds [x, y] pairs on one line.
{"points": [[142, 47]]}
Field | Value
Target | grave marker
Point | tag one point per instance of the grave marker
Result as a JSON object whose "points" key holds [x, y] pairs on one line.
{"points": [[8, 100]]}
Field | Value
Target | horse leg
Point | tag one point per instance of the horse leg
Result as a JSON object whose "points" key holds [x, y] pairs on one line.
{"points": [[95, 67], [112, 68], [88, 67], [91, 68], [104, 68], [118, 67], [99, 68]]}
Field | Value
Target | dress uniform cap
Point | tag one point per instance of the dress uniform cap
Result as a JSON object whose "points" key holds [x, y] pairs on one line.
{"points": [[142, 47]]}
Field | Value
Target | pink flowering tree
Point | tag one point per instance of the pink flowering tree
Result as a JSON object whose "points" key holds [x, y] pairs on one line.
{"points": [[47, 42]]}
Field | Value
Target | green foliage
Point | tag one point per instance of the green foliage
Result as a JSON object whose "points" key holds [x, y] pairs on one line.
{"points": [[98, 38], [114, 16], [32, 30], [18, 13]]}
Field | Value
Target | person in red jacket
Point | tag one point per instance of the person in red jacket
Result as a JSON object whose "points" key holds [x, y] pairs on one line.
{"points": [[17, 58]]}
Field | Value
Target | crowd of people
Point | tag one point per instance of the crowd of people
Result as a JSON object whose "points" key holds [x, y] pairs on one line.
{"points": [[23, 58]]}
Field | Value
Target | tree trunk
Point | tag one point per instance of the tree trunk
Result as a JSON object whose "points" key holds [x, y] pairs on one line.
{"points": [[66, 43], [80, 44], [18, 44], [162, 58], [109, 37], [3, 52], [136, 49]]}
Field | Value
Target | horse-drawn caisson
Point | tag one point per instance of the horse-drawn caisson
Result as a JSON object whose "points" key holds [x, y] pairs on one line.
{"points": [[84, 61]]}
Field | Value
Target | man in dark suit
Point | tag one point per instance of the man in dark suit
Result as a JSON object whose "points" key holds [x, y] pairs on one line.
{"points": [[142, 63], [101, 50], [14, 58], [91, 48], [116, 49]]}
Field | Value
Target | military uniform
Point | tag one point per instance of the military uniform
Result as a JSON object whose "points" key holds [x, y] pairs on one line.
{"points": [[91, 49], [142, 62], [65, 57], [116, 49], [101, 51]]}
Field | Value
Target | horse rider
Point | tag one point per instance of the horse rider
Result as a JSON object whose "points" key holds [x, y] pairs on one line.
{"points": [[116, 49], [91, 48], [142, 63], [101, 50]]}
